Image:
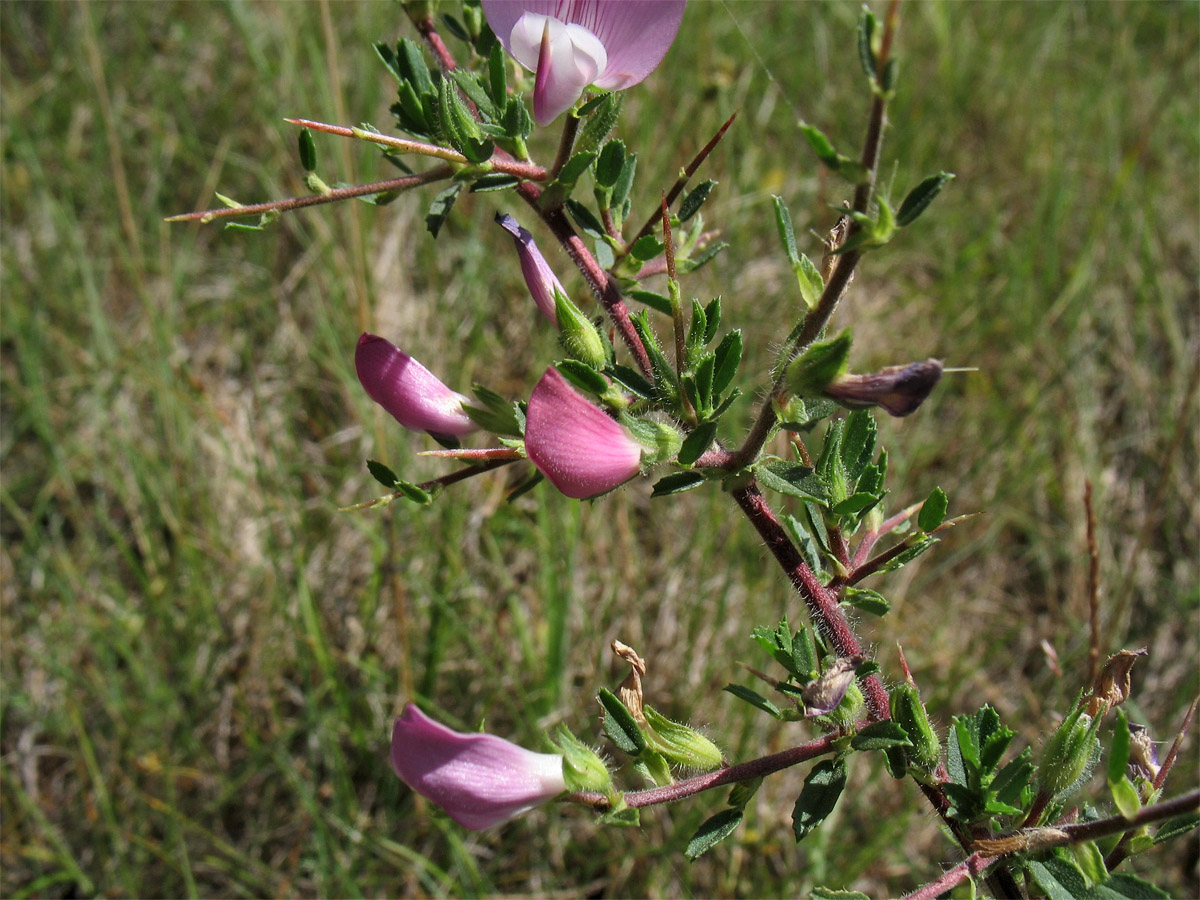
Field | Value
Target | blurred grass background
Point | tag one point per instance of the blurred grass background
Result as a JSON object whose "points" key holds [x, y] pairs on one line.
{"points": [[202, 657]]}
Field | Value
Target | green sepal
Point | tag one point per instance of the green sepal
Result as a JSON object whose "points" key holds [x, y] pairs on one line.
{"points": [[712, 832], [603, 113], [620, 726], [810, 372], [626, 816], [681, 744], [494, 413], [583, 770]]}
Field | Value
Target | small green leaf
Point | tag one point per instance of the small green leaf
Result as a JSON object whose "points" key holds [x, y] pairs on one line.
{"points": [[1118, 758], [494, 181], [707, 256], [610, 163], [755, 699], [414, 493], [712, 832], [920, 197], [440, 208], [1128, 887], [820, 145], [656, 302], [585, 219], [868, 601], [855, 503], [790, 479], [382, 474], [1173, 828], [308, 150], [646, 248], [727, 358], [824, 893], [695, 199], [881, 736], [630, 379], [812, 286], [787, 234], [620, 725], [820, 794], [1058, 879], [497, 74], [677, 484], [866, 51], [583, 376], [712, 319], [696, 443]]}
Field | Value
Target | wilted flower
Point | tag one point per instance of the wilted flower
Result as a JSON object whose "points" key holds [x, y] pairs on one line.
{"points": [[480, 780], [1113, 683], [407, 390], [823, 695], [574, 443], [898, 389], [613, 44], [539, 277]]}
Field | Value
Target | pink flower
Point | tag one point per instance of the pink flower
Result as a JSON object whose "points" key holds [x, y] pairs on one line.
{"points": [[480, 780], [574, 443], [613, 44], [539, 277], [408, 390]]}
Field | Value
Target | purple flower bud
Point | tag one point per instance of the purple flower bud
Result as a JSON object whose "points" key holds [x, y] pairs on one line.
{"points": [[570, 44], [576, 444], [898, 389], [539, 277], [480, 780], [408, 390]]}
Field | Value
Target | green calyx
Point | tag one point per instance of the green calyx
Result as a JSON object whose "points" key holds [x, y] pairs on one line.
{"points": [[809, 373]]}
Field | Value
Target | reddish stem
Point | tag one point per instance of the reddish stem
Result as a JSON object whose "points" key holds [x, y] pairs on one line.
{"points": [[822, 603]]}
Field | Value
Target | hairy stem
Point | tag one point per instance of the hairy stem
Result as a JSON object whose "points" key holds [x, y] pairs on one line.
{"points": [[757, 768]]}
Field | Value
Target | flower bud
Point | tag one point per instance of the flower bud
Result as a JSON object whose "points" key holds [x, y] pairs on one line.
{"points": [[579, 335], [576, 444], [900, 390], [480, 780], [1069, 753], [407, 390], [583, 769], [824, 694], [539, 277], [909, 713], [680, 745]]}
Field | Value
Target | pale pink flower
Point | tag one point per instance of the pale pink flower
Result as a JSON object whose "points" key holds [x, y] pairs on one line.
{"points": [[576, 444], [539, 277], [613, 44], [480, 780], [407, 390]]}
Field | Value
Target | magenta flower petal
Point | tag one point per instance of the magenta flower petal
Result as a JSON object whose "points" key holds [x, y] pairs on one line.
{"points": [[407, 390], [480, 780], [633, 37], [574, 443], [539, 277]]}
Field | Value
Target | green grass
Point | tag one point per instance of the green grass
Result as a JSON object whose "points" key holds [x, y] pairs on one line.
{"points": [[202, 657]]}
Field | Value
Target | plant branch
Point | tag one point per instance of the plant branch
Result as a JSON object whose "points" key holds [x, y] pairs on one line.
{"points": [[426, 28], [822, 603], [334, 196], [971, 867], [757, 768]]}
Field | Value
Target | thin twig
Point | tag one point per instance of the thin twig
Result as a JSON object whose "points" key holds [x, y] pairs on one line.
{"points": [[681, 182], [337, 194], [971, 867]]}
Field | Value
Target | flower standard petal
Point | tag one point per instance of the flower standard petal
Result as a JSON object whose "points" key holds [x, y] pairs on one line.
{"points": [[480, 780], [407, 390], [576, 444], [539, 277]]}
